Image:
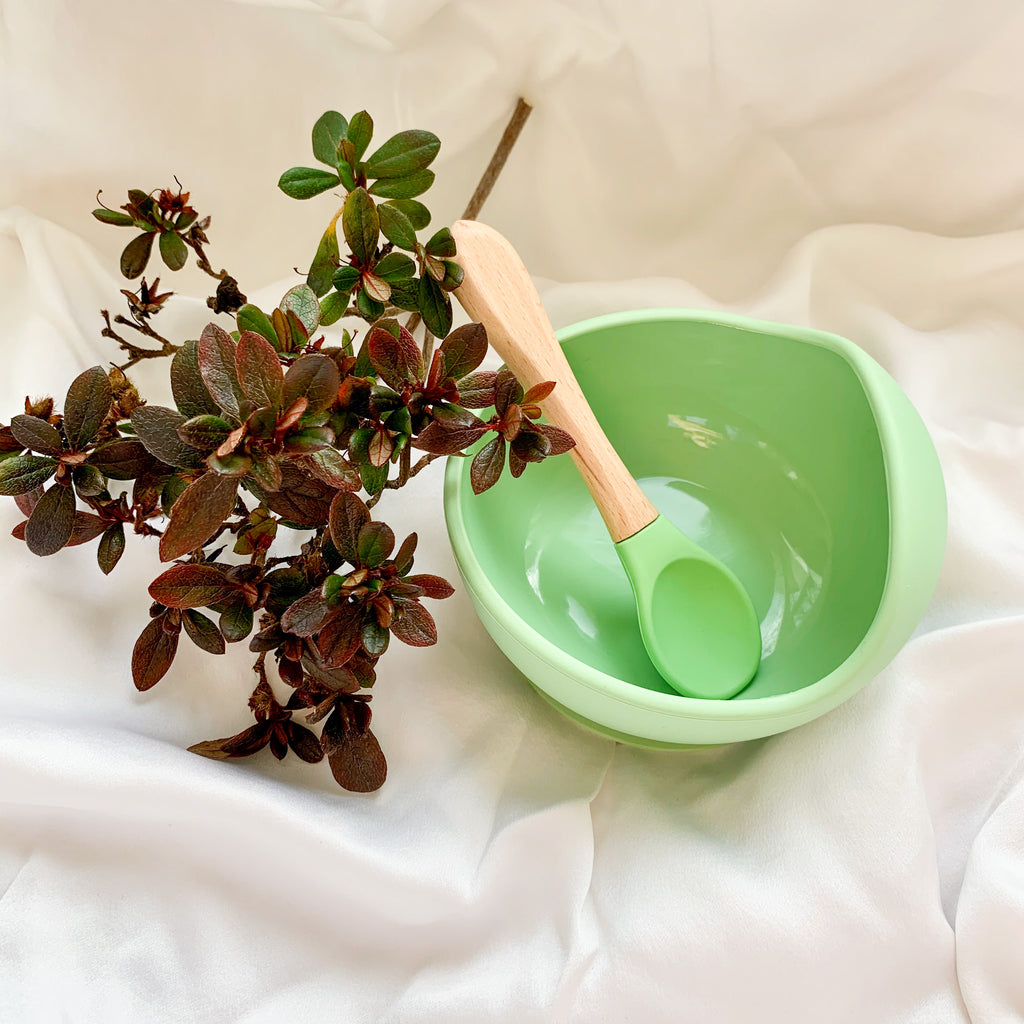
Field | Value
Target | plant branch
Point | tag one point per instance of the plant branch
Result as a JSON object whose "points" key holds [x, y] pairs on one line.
{"points": [[136, 353], [490, 177]]}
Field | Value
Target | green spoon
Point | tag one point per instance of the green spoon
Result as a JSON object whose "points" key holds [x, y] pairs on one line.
{"points": [[696, 620]]}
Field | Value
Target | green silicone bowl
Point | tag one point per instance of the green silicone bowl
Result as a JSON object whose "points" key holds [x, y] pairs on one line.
{"points": [[786, 452]]}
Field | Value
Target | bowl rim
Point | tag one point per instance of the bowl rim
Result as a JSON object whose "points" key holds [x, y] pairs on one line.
{"points": [[830, 689]]}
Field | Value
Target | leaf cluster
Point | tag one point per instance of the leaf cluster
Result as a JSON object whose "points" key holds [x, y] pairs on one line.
{"points": [[276, 426]]}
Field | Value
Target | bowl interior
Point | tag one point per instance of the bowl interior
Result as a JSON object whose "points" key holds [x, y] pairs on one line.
{"points": [[763, 448]]}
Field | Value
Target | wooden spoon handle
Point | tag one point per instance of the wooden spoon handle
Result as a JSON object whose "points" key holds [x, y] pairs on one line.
{"points": [[498, 292]]}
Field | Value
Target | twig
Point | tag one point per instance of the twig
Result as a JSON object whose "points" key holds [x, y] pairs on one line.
{"points": [[422, 464], [494, 168], [489, 178], [136, 353]]}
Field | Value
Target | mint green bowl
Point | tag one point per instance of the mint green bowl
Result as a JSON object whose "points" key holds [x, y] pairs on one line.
{"points": [[786, 452]]}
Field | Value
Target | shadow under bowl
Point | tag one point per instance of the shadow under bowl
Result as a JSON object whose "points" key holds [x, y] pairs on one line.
{"points": [[786, 452]]}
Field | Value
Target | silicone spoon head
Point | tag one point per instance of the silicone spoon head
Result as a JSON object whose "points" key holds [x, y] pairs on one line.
{"points": [[696, 619]]}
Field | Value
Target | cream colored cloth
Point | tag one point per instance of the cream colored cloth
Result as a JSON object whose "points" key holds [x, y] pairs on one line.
{"points": [[855, 167]]}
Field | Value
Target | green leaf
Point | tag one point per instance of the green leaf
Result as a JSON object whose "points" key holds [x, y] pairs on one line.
{"points": [[233, 465], [453, 275], [360, 131], [206, 432], [405, 293], [153, 654], [441, 243], [416, 213], [403, 154], [302, 301], [345, 173], [52, 522], [86, 406], [251, 318], [89, 481], [202, 508], [236, 622], [190, 586], [361, 225], [405, 187], [348, 516], [332, 308], [121, 220], [173, 250], [305, 442], [435, 307], [464, 350], [369, 308], [328, 132], [397, 227], [346, 277], [190, 393], [325, 262], [217, 366], [375, 638], [306, 182], [395, 267], [203, 632], [136, 255], [111, 548], [314, 377], [259, 371], [23, 473], [157, 429], [36, 434]]}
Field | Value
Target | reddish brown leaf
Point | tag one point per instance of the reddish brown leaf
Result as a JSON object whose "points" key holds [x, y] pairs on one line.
{"points": [[203, 632], [123, 459], [153, 654], [157, 429], [477, 390], [305, 743], [190, 586], [259, 371], [404, 558], [538, 392], [305, 616], [196, 515], [441, 438], [36, 434], [87, 527], [507, 391], [52, 521], [464, 350], [487, 465], [330, 466], [560, 441], [302, 499], [398, 361], [18, 533], [86, 406], [356, 759], [246, 743], [216, 356], [434, 587], [315, 378], [415, 626], [348, 516], [339, 639], [379, 450]]}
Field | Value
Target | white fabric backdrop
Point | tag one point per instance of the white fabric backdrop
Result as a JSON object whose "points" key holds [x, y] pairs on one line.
{"points": [[855, 167]]}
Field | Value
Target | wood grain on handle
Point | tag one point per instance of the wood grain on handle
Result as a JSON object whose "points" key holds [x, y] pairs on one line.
{"points": [[497, 291]]}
